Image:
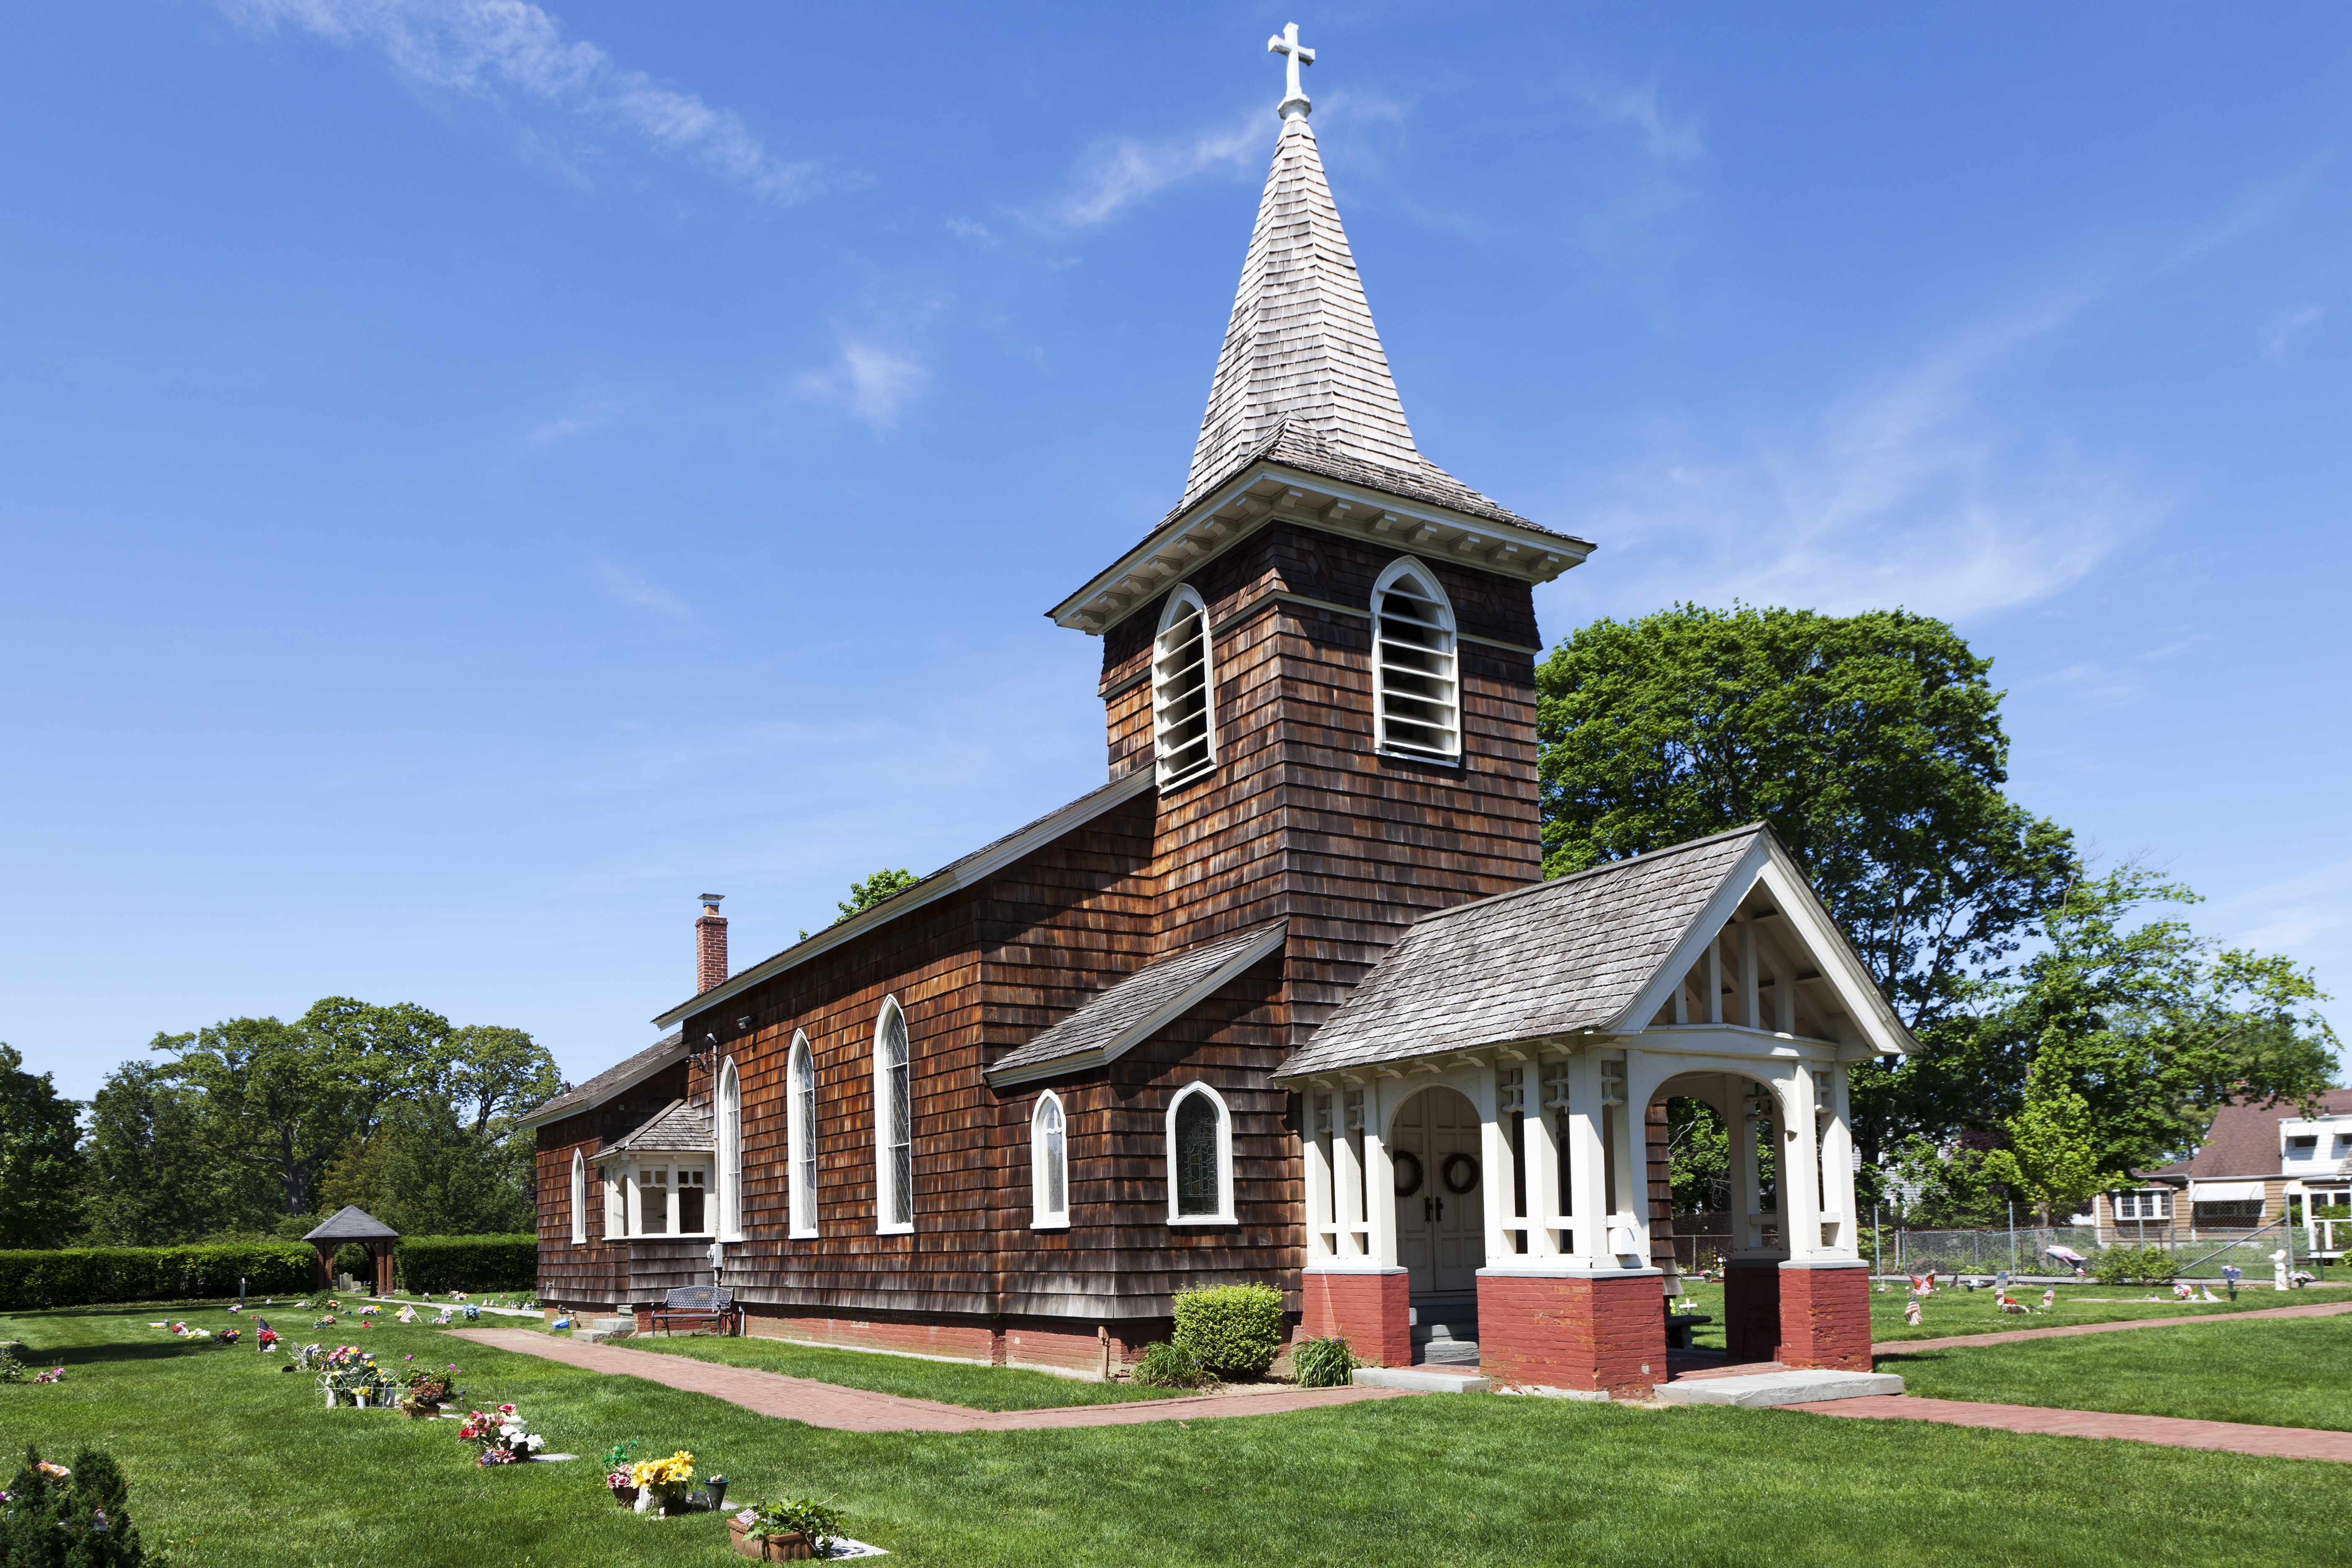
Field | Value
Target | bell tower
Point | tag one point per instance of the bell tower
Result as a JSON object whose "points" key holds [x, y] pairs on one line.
{"points": [[1325, 650]]}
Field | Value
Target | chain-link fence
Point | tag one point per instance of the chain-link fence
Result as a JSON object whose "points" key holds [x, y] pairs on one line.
{"points": [[2025, 1250]]}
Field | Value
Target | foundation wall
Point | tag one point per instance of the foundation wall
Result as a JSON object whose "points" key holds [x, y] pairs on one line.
{"points": [[1825, 1318], [1374, 1312], [1055, 1343], [1606, 1334]]}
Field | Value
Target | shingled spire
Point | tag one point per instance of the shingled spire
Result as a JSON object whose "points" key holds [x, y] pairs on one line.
{"points": [[1302, 364]]}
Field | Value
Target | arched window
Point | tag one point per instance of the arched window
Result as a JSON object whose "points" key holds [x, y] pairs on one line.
{"points": [[731, 1153], [894, 1124], [1416, 688], [1184, 729], [1049, 1165], [1200, 1158], [800, 1136], [578, 1197]]}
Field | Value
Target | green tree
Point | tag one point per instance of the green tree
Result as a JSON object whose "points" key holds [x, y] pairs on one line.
{"points": [[1698, 1157], [40, 1157], [277, 1097], [1948, 1184], [2052, 1160], [424, 1172], [151, 1177], [863, 895], [490, 1073], [1872, 744]]}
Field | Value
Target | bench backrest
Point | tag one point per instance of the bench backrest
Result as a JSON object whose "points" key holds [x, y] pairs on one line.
{"points": [[699, 1299]]}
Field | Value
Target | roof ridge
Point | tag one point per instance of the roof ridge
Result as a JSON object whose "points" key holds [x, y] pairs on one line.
{"points": [[1644, 858]]}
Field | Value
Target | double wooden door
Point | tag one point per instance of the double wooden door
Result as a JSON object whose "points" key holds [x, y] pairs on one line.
{"points": [[1441, 1216]]}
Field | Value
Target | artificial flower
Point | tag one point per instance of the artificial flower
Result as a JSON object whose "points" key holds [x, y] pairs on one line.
{"points": [[58, 1472]]}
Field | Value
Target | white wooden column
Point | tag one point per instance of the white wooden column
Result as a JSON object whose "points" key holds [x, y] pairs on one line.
{"points": [[1349, 1187], [1587, 1180], [1837, 1165], [1751, 1011], [1747, 1175], [1380, 1097], [1321, 1123], [1545, 1242], [1495, 1166], [1629, 1158], [1799, 1185]]}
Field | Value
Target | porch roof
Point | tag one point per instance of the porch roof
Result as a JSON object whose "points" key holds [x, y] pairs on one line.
{"points": [[676, 1126]]}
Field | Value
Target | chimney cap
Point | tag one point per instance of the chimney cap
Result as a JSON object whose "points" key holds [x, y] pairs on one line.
{"points": [[711, 898]]}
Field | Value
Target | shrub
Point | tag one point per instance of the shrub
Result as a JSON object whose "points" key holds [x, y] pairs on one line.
{"points": [[79, 1276], [1169, 1366], [1231, 1328], [2149, 1265], [54, 1514], [1323, 1363], [467, 1262]]}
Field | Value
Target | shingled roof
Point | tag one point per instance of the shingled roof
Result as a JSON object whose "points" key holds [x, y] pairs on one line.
{"points": [[352, 1223], [677, 1125], [609, 1083], [2243, 1139], [1556, 957], [1302, 361], [1137, 1006]]}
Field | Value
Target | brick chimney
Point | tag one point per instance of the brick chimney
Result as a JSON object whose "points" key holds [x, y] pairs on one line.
{"points": [[710, 945]]}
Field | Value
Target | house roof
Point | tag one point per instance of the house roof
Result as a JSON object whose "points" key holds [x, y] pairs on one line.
{"points": [[2243, 1139], [1587, 951], [1137, 1006], [613, 1081], [677, 1125], [352, 1223], [982, 862]]}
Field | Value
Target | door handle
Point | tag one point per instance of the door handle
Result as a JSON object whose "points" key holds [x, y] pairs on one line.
{"points": [[1441, 1208]]}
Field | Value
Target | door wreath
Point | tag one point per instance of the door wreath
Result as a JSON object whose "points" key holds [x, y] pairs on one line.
{"points": [[1461, 1172], [1407, 1185]]}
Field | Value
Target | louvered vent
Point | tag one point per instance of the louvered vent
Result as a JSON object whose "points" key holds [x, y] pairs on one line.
{"points": [[1181, 728], [1412, 642]]}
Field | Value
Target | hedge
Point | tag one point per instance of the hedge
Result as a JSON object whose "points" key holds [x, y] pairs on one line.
{"points": [[1231, 1328], [467, 1262], [77, 1276]]}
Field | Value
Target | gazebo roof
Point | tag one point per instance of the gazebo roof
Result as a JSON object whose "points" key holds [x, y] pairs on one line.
{"points": [[352, 1223]]}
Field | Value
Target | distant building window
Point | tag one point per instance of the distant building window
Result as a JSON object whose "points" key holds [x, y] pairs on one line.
{"points": [[1183, 729], [1416, 682], [800, 1137], [2310, 1142], [578, 1197], [2228, 1213], [730, 1152], [893, 1139], [1200, 1158], [1049, 1163], [2154, 1202]]}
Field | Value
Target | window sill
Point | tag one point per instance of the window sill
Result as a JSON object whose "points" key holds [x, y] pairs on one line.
{"points": [[800, 1235], [894, 1230], [1194, 1221], [1062, 1223], [1421, 757]]}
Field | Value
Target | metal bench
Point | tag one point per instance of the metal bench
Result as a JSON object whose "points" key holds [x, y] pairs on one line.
{"points": [[1679, 1326], [698, 1304]]}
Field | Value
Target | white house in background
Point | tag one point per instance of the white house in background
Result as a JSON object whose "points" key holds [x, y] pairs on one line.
{"points": [[2257, 1163]]}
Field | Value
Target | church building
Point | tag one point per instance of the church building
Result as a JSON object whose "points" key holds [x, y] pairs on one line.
{"points": [[1285, 999]]}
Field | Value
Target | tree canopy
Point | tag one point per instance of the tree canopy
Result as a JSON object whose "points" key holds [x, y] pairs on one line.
{"points": [[871, 890], [39, 1157]]}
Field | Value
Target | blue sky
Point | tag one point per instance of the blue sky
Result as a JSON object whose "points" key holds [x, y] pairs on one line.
{"points": [[475, 476]]}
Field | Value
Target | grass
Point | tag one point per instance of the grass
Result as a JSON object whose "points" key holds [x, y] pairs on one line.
{"points": [[1952, 1311], [2285, 1372], [239, 1463]]}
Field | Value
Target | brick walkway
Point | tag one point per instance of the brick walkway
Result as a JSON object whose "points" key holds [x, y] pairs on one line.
{"points": [[856, 1410], [1912, 1347], [2266, 1442]]}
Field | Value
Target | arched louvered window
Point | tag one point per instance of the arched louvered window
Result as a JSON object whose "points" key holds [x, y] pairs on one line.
{"points": [[1416, 684], [1049, 1165], [578, 1197], [894, 1130], [1183, 727], [731, 1153], [1200, 1158], [800, 1135]]}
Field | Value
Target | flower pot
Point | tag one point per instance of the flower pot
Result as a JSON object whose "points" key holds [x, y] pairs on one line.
{"points": [[792, 1548], [625, 1496]]}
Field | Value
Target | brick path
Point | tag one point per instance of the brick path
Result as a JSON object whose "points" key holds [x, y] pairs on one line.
{"points": [[1912, 1347], [2267, 1442], [856, 1410]]}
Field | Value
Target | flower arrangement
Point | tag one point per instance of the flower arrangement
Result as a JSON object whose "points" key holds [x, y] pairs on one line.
{"points": [[406, 1314], [620, 1478], [54, 1472], [55, 1374], [267, 1338], [661, 1483], [502, 1435], [326, 1322], [429, 1390], [228, 1336]]}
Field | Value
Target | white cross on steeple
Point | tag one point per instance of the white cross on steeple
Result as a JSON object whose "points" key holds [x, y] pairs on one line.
{"points": [[1286, 43]]}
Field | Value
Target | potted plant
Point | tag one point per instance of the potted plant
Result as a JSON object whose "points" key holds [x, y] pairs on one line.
{"points": [[661, 1483], [427, 1392], [620, 1478], [501, 1435], [796, 1530]]}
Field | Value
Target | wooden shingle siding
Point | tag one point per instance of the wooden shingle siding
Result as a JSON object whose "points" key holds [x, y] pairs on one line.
{"points": [[599, 1273]]}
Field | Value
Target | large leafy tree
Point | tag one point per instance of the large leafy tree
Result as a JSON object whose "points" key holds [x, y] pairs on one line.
{"points": [[1872, 744], [489, 1073], [154, 1178], [40, 1157], [277, 1097]]}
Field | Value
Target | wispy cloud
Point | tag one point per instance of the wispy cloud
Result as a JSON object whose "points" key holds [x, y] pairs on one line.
{"points": [[2282, 329], [640, 595], [868, 383], [1903, 491], [1668, 137], [500, 51], [1116, 175]]}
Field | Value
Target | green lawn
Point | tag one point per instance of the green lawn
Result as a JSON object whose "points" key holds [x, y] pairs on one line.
{"points": [[240, 1464], [1952, 1311], [909, 1377], [2286, 1373]]}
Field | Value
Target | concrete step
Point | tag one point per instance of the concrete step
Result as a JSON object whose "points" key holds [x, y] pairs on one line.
{"points": [[598, 1336], [1421, 1379], [1449, 1353], [1765, 1388], [625, 1325]]}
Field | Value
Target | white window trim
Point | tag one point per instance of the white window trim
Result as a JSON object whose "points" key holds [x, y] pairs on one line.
{"points": [[799, 1063], [1225, 1215], [1041, 1217], [614, 1184], [727, 1153], [2114, 1207], [1398, 568], [670, 1165], [885, 1175], [578, 1197], [1182, 595]]}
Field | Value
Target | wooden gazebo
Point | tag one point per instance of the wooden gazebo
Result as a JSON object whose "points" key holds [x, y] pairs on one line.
{"points": [[352, 1224]]}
